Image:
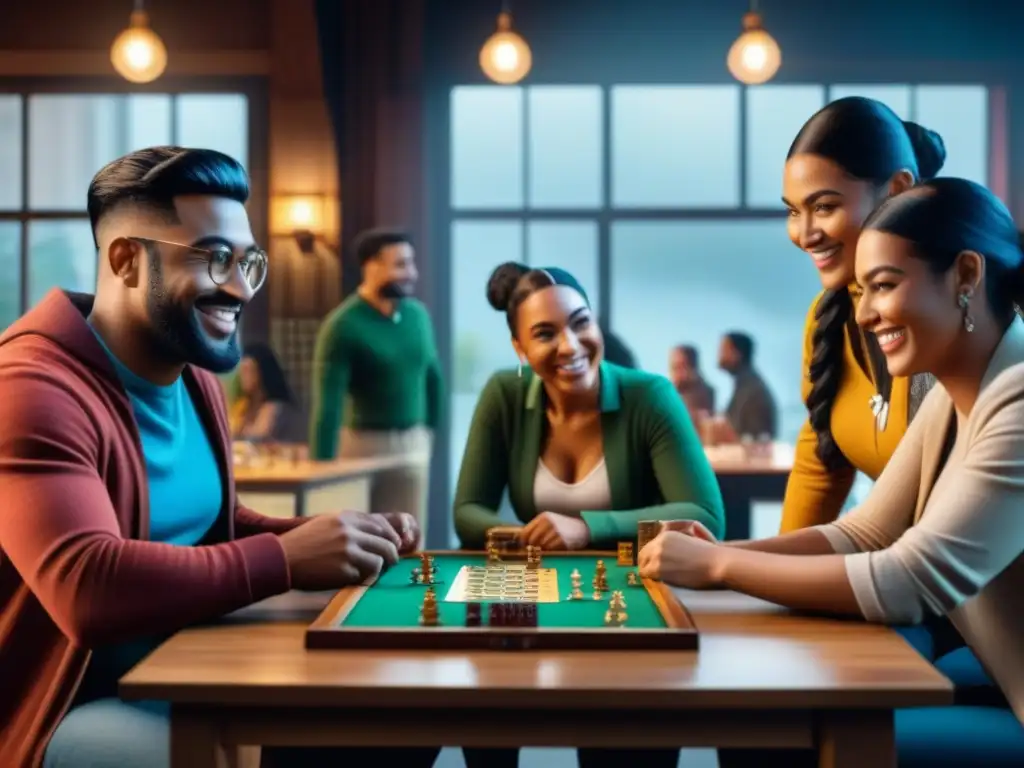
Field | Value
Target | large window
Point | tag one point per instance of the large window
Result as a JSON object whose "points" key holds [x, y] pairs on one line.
{"points": [[665, 202], [50, 147]]}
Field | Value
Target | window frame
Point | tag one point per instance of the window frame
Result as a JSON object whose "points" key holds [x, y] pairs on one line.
{"points": [[254, 88], [607, 214]]}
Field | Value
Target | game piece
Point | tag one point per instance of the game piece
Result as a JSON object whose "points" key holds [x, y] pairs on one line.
{"points": [[414, 576], [575, 575], [499, 615], [429, 612], [533, 556], [616, 615], [600, 582], [474, 615], [577, 582], [626, 553], [505, 538], [614, 618], [645, 531], [493, 555], [527, 615], [427, 569], [632, 579]]}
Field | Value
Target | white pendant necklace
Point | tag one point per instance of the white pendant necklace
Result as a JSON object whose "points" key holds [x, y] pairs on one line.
{"points": [[880, 407]]}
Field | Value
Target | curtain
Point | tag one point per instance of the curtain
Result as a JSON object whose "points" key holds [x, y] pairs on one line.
{"points": [[372, 58]]}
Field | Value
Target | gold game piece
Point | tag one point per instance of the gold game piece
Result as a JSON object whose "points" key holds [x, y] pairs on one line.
{"points": [[625, 553], [533, 556], [645, 531], [632, 579], [600, 582], [614, 618], [429, 612]]}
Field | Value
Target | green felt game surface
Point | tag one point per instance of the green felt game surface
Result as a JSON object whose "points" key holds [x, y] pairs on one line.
{"points": [[393, 602]]}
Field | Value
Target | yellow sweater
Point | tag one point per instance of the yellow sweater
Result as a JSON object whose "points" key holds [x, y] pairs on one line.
{"points": [[814, 495]]}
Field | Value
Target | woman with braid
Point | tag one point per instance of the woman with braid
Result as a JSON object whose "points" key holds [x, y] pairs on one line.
{"points": [[848, 158]]}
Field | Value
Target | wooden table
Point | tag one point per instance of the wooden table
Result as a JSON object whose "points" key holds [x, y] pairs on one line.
{"points": [[283, 488], [762, 678], [744, 480]]}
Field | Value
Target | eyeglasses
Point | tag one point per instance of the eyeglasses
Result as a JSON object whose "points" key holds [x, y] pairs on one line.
{"points": [[221, 261]]}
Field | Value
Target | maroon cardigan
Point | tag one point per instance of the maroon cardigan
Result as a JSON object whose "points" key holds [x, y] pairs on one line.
{"points": [[76, 567]]}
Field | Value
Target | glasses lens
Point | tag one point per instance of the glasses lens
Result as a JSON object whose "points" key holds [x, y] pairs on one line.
{"points": [[253, 265], [221, 261]]}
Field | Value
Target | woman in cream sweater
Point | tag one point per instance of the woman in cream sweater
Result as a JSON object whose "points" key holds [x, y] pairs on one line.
{"points": [[942, 531]]}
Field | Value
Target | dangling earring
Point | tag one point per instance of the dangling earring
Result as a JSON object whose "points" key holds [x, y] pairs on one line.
{"points": [[964, 301], [520, 368]]}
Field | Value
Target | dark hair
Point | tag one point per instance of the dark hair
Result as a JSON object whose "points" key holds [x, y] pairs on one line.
{"points": [[943, 218], [615, 350], [370, 242], [691, 354], [744, 344], [870, 142], [153, 177], [512, 283], [272, 377]]}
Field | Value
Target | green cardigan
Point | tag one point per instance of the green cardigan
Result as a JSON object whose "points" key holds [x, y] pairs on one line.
{"points": [[657, 468]]}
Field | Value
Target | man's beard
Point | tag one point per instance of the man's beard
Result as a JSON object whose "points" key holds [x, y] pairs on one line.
{"points": [[177, 333], [396, 289]]}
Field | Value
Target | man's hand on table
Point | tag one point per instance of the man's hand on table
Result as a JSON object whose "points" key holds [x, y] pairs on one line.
{"points": [[406, 527], [331, 551]]}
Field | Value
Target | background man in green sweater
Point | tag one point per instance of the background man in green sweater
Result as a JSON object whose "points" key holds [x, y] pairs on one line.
{"points": [[377, 388]]}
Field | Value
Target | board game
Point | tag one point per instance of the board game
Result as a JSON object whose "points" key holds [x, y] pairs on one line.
{"points": [[498, 600]]}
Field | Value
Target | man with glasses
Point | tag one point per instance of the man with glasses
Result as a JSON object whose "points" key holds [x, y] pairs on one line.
{"points": [[120, 524]]}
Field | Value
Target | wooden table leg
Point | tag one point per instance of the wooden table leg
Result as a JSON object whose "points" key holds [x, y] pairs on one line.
{"points": [[856, 739], [196, 741]]}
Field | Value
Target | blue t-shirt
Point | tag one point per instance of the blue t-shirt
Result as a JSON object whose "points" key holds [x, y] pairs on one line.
{"points": [[185, 491], [185, 496]]}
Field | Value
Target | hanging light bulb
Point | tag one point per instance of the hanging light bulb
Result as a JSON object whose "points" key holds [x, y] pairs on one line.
{"points": [[755, 57], [138, 54], [505, 57]]}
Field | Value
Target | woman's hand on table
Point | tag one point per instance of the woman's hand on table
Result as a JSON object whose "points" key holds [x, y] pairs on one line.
{"points": [[682, 560], [552, 531], [689, 528]]}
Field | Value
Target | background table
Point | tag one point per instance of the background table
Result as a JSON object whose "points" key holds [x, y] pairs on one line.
{"points": [[284, 488]]}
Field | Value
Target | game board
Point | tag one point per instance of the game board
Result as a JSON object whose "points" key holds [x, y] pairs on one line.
{"points": [[461, 609]]}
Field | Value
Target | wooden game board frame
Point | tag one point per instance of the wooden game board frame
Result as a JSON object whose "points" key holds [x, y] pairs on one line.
{"points": [[328, 632]]}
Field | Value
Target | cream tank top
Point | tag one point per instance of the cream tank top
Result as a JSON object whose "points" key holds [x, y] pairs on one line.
{"points": [[553, 495]]}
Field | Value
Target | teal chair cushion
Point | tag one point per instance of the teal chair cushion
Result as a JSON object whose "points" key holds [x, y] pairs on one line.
{"points": [[963, 668], [959, 737]]}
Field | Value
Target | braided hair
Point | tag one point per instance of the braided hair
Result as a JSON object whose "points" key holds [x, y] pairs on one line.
{"points": [[869, 142]]}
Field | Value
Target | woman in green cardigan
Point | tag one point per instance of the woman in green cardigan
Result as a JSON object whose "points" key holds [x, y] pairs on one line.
{"points": [[585, 448]]}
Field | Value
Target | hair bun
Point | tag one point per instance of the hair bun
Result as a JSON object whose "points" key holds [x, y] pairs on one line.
{"points": [[503, 282], [929, 148]]}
